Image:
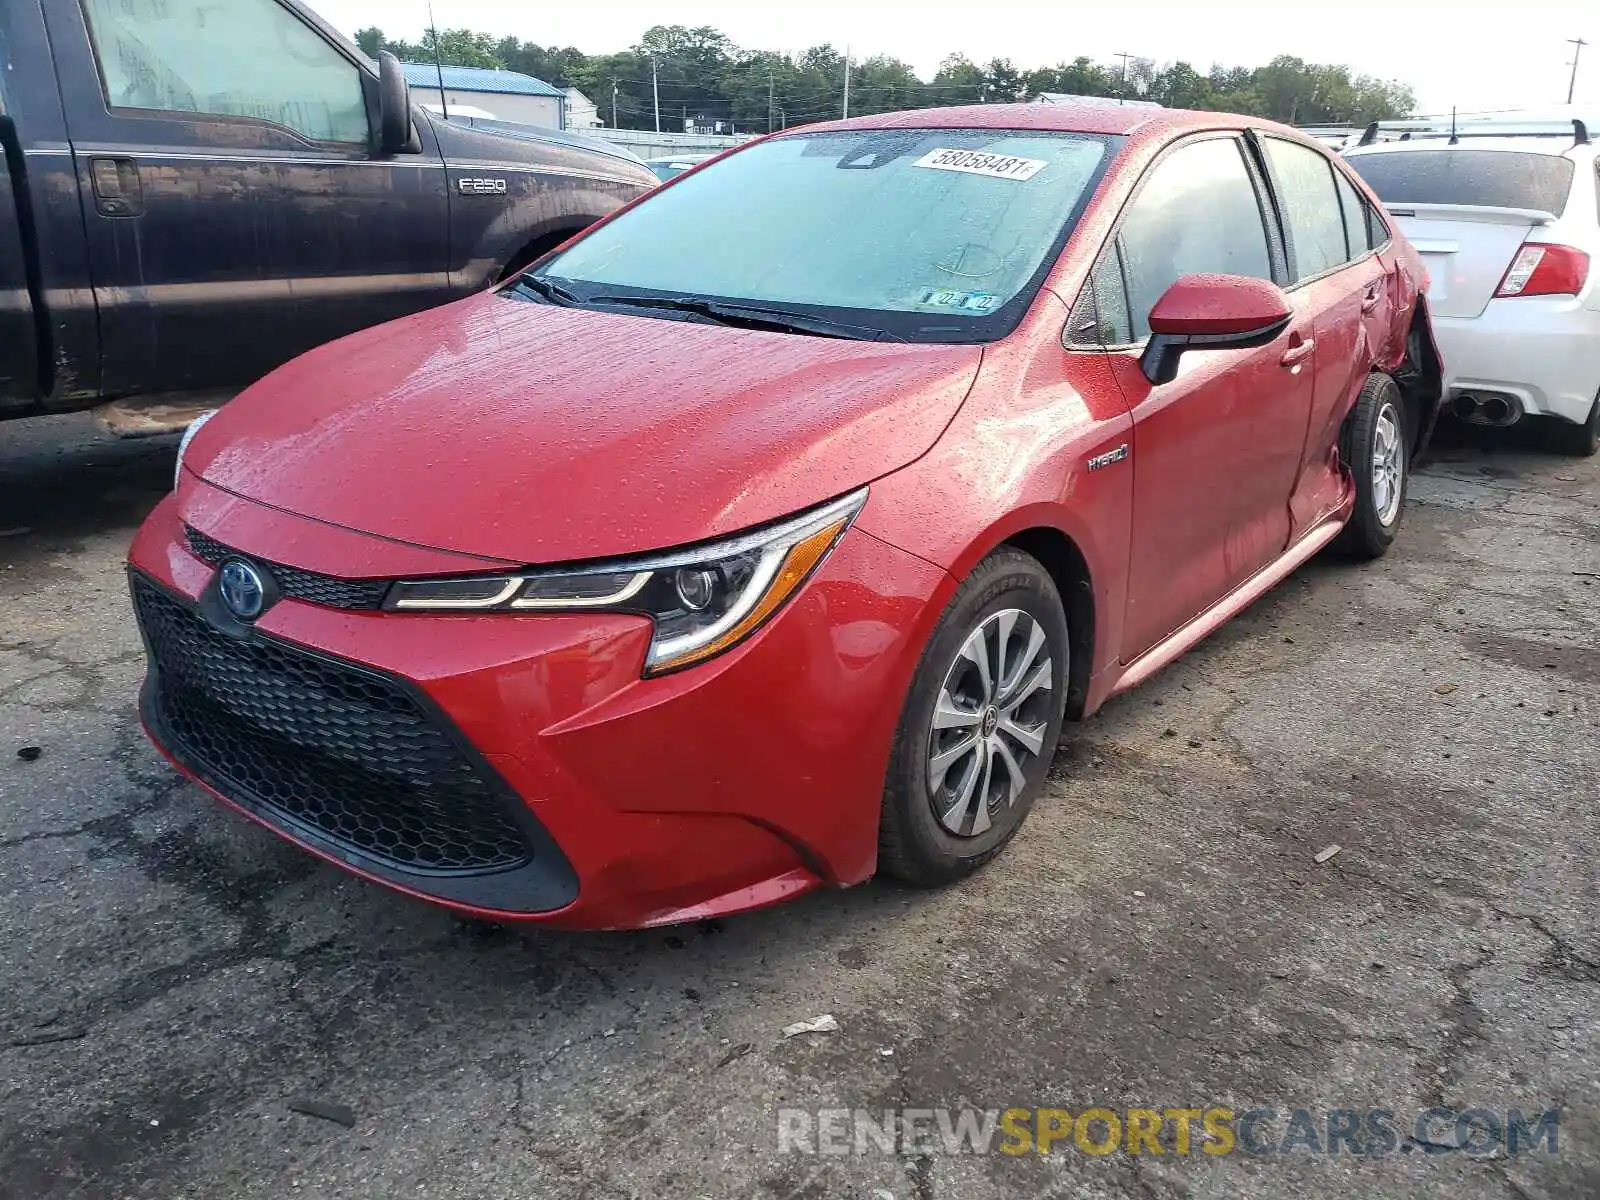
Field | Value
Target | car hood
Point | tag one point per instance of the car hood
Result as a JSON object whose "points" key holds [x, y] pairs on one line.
{"points": [[538, 133], [538, 434], [474, 140]]}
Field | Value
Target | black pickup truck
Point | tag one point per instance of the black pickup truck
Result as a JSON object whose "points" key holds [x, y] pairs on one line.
{"points": [[195, 191]]}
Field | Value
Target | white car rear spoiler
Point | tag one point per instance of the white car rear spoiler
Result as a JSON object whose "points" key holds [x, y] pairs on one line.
{"points": [[1483, 213]]}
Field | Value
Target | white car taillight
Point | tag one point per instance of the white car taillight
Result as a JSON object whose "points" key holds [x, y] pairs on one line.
{"points": [[1545, 271]]}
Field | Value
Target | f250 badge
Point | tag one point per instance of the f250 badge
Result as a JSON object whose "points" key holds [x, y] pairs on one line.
{"points": [[480, 186], [1109, 457]]}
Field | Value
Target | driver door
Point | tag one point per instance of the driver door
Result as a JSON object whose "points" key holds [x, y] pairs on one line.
{"points": [[1216, 451], [235, 211]]}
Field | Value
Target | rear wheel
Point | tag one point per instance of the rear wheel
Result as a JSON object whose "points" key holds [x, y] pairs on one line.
{"points": [[1580, 441], [980, 724], [1375, 445]]}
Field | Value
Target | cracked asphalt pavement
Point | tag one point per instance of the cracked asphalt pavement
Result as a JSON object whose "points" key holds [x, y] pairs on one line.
{"points": [[1159, 934]]}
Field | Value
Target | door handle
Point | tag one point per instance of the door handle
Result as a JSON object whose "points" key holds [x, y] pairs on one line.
{"points": [[117, 190], [1295, 355], [1372, 298]]}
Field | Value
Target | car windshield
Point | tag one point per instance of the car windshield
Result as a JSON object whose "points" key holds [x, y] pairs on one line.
{"points": [[916, 234], [1483, 178]]}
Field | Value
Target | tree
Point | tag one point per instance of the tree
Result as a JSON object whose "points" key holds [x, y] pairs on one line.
{"points": [[700, 72], [553, 64], [370, 40], [1181, 86], [884, 84], [457, 48], [959, 81], [1135, 77], [1081, 77], [1002, 82]]}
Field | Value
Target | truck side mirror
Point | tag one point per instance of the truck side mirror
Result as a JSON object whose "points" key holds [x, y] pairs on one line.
{"points": [[394, 107]]}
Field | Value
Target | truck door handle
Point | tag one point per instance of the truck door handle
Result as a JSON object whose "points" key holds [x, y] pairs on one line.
{"points": [[117, 190], [1295, 355]]}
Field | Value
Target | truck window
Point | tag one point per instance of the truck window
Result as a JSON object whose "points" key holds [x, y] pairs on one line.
{"points": [[228, 58]]}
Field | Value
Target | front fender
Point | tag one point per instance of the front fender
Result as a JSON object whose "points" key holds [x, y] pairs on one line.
{"points": [[1017, 457], [534, 210], [509, 192]]}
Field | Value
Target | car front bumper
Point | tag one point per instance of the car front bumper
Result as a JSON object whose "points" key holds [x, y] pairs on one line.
{"points": [[730, 785], [1544, 350]]}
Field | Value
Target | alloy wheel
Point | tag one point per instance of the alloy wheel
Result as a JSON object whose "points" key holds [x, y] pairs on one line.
{"points": [[990, 721], [1388, 466]]}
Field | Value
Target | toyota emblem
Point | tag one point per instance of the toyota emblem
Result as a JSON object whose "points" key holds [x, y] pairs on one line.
{"points": [[242, 589]]}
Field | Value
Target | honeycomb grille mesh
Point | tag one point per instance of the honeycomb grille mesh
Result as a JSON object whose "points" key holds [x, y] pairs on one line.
{"points": [[349, 753], [326, 590]]}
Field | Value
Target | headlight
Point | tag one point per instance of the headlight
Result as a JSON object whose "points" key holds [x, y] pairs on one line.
{"points": [[703, 601], [183, 444]]}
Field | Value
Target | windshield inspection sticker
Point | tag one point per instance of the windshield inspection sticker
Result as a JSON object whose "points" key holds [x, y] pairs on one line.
{"points": [[980, 162], [979, 302]]}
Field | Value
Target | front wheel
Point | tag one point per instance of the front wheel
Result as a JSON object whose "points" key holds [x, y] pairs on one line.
{"points": [[980, 724], [1374, 445]]}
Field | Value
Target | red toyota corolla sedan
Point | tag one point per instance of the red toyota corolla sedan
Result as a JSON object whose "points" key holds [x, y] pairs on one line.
{"points": [[763, 536]]}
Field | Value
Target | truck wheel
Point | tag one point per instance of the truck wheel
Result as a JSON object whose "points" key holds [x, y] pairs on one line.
{"points": [[1580, 441], [980, 724], [1375, 445]]}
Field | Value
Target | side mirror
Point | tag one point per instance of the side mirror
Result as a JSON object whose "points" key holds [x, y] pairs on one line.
{"points": [[1211, 312], [394, 106]]}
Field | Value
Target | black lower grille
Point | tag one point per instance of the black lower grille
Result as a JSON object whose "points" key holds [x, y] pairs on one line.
{"points": [[350, 753], [330, 591]]}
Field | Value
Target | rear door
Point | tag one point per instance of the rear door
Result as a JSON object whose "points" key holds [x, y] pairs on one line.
{"points": [[236, 214], [1214, 450], [1341, 284], [1467, 212]]}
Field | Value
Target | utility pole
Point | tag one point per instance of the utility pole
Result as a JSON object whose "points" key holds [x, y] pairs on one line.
{"points": [[655, 89], [1124, 56], [847, 83], [613, 104], [1577, 45], [769, 95]]}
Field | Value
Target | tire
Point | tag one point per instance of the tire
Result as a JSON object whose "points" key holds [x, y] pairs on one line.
{"points": [[1005, 599], [1580, 441], [1375, 430]]}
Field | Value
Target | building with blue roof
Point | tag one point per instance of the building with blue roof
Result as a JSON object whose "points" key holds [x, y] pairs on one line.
{"points": [[476, 91]]}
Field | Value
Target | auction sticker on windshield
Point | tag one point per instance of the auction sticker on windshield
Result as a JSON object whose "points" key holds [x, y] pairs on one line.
{"points": [[980, 162]]}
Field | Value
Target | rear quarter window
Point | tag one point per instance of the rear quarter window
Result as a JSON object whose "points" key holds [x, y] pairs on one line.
{"points": [[1482, 178]]}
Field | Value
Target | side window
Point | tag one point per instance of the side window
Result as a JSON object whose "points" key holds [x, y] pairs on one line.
{"points": [[1197, 212], [1100, 318], [230, 58], [1377, 231], [1311, 207], [1355, 216]]}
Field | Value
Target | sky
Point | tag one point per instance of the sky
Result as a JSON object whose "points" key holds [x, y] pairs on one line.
{"points": [[1476, 56]]}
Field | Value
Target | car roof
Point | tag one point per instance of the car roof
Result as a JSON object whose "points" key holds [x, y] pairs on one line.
{"points": [[1126, 120], [1522, 144]]}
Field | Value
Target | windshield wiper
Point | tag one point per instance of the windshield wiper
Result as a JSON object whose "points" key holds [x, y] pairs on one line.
{"points": [[548, 290], [751, 316]]}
